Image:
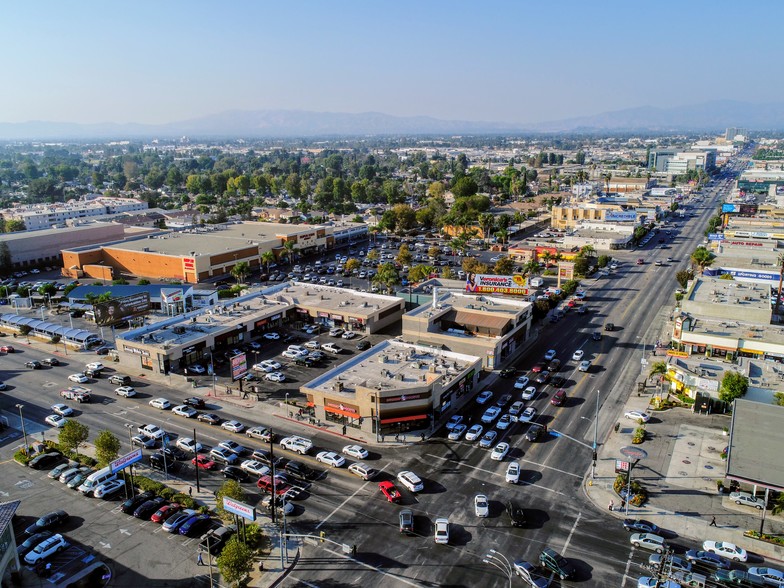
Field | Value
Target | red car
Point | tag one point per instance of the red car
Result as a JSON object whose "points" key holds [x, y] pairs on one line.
{"points": [[388, 489], [265, 484], [204, 462], [542, 365], [7, 349], [558, 398], [165, 512]]}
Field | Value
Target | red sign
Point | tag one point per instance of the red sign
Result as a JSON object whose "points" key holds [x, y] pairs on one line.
{"points": [[189, 263]]}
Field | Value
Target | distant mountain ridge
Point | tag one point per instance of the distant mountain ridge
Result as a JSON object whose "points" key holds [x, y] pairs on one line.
{"points": [[710, 116]]}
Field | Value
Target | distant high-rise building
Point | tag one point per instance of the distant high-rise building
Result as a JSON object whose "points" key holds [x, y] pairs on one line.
{"points": [[733, 132]]}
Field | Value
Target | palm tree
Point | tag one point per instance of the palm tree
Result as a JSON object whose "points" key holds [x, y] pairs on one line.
{"points": [[387, 276], [546, 257], [702, 258], [486, 222], [532, 267], [588, 251], [267, 258], [289, 249], [240, 271], [503, 235]]}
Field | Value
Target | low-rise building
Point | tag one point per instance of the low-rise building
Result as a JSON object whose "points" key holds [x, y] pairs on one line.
{"points": [[491, 327], [395, 387], [43, 216]]}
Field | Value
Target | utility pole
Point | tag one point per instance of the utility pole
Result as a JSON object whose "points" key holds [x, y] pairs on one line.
{"points": [[272, 466], [196, 456]]}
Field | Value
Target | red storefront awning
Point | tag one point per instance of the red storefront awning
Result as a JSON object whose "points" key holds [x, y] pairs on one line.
{"points": [[345, 413], [414, 417]]}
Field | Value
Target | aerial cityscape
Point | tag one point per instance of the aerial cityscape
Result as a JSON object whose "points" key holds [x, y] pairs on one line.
{"points": [[417, 295]]}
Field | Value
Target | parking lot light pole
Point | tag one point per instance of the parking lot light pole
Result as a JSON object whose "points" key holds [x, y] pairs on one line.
{"points": [[130, 442], [501, 563], [24, 431]]}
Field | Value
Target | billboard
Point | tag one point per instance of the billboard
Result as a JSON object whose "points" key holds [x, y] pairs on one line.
{"points": [[241, 509], [123, 462], [239, 366], [488, 284], [171, 295], [113, 311], [620, 217], [715, 237]]}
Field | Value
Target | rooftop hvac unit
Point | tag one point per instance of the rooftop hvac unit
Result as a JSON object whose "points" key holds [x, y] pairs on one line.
{"points": [[401, 377]]}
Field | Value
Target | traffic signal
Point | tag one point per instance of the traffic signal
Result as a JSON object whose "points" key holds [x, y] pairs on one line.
{"points": [[322, 534]]}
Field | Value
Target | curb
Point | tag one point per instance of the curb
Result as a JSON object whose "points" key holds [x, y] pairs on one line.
{"points": [[287, 571]]}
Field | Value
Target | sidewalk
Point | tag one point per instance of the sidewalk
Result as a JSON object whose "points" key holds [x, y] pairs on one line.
{"points": [[680, 473]]}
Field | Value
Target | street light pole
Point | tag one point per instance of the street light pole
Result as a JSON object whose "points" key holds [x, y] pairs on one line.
{"points": [[595, 437], [500, 562], [130, 442], [24, 431]]}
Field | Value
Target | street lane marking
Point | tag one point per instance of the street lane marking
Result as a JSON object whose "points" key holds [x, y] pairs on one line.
{"points": [[342, 504], [574, 528], [375, 569]]}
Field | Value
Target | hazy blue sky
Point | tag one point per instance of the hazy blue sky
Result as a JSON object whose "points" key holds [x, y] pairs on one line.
{"points": [[523, 61]]}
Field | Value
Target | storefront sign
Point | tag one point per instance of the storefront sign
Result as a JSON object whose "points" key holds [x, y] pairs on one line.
{"points": [[744, 243], [246, 511], [715, 237], [323, 315], [302, 311], [337, 317], [359, 321], [136, 351], [673, 353], [621, 467], [403, 398], [275, 317], [239, 366]]}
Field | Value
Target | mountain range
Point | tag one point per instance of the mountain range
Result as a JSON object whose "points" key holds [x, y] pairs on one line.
{"points": [[712, 116]]}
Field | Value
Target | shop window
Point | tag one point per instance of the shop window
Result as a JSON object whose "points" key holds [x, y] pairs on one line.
{"points": [[146, 363]]}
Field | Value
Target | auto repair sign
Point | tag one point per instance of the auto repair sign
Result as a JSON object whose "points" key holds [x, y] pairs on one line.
{"points": [[488, 284]]}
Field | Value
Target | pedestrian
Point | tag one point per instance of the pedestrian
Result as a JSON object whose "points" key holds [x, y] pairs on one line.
{"points": [[190, 490], [623, 503], [713, 522], [261, 566], [611, 506], [199, 561]]}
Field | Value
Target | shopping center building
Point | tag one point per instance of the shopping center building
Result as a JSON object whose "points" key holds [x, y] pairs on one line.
{"points": [[393, 388]]}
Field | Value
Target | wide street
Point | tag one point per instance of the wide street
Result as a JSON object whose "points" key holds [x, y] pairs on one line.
{"points": [[354, 512]]}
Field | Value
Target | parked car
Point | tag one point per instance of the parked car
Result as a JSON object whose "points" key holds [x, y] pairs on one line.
{"points": [[45, 549], [47, 522], [747, 499]]}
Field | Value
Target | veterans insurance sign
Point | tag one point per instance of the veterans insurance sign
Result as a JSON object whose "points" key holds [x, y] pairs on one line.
{"points": [[488, 284]]}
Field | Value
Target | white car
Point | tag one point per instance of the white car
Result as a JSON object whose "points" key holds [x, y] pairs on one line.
{"points": [[491, 414], [62, 409], [504, 422], [578, 355], [528, 414], [500, 451], [55, 420], [185, 411], [484, 397], [349, 335], [336, 332], [474, 433], [275, 377], [521, 382], [314, 345], [160, 403], [288, 354], [196, 369], [356, 451], [232, 446], [411, 481], [649, 582], [255, 467], [108, 488], [772, 576], [728, 550], [271, 336], [125, 391], [233, 426], [188, 444], [550, 355], [457, 432], [513, 473], [648, 541], [46, 548], [529, 393], [481, 505], [639, 416], [584, 366], [95, 366], [442, 531], [143, 441], [78, 378], [453, 421], [331, 458], [263, 367], [744, 498]]}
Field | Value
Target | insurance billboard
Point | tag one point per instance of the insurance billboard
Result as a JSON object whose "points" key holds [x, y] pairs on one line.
{"points": [[118, 309], [239, 366], [492, 284]]}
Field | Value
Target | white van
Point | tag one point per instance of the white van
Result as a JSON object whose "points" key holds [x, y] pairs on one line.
{"points": [[535, 282], [96, 479]]}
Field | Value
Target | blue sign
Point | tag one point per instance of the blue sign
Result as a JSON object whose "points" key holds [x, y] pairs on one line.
{"points": [[715, 237], [729, 208], [623, 217]]}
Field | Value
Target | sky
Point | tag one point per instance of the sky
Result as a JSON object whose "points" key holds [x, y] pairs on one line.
{"points": [[507, 61]]}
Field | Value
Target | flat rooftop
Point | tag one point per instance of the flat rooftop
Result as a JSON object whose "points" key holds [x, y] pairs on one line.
{"points": [[490, 304], [741, 295], [756, 439], [394, 365], [330, 298]]}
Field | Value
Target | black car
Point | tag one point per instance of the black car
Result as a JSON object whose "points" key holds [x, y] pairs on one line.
{"points": [[132, 504], [641, 526], [31, 542], [163, 462], [507, 373], [709, 559], [213, 541], [45, 460], [363, 345], [305, 361], [48, 521], [174, 453], [194, 401], [596, 336], [516, 514], [34, 364], [235, 473], [299, 470], [146, 509], [407, 521], [534, 433], [50, 361]]}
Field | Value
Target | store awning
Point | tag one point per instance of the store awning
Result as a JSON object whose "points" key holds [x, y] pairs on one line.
{"points": [[345, 413], [414, 417]]}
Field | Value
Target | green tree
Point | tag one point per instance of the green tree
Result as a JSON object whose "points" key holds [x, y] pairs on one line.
{"points": [[387, 276], [419, 273], [434, 251], [240, 271], [603, 261], [733, 386], [447, 273], [143, 282], [683, 277], [5, 255], [267, 258], [372, 255], [230, 489], [465, 186], [289, 249], [779, 397], [107, 447], [352, 264], [658, 368], [404, 256], [702, 258], [581, 266], [48, 289], [235, 561], [504, 266], [13, 225], [72, 435]]}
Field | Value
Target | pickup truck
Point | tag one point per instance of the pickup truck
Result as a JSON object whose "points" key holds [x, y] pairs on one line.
{"points": [[151, 431], [76, 393], [331, 347], [297, 444]]}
